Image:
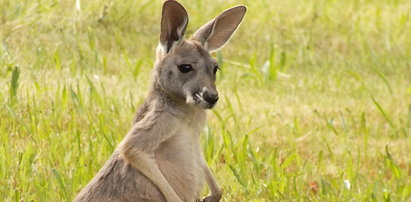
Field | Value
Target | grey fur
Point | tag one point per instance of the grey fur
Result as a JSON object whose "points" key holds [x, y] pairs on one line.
{"points": [[160, 159]]}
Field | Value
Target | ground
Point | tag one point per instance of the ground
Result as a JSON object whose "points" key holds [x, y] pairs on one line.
{"points": [[315, 96]]}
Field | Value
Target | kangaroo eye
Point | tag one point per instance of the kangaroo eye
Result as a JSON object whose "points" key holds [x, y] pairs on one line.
{"points": [[215, 69], [184, 68]]}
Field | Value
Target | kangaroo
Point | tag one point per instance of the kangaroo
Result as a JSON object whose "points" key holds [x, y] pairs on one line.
{"points": [[160, 159]]}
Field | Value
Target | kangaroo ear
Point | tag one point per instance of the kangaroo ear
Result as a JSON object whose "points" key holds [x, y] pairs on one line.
{"points": [[174, 22], [218, 31]]}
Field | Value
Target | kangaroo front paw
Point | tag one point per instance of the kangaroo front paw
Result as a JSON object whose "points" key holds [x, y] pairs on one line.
{"points": [[215, 198]]}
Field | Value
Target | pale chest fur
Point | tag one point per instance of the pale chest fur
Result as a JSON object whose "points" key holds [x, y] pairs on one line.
{"points": [[180, 158]]}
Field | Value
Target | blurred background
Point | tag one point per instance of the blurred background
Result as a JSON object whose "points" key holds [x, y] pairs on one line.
{"points": [[315, 98]]}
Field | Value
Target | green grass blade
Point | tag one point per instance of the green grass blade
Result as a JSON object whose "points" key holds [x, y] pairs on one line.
{"points": [[383, 113], [14, 84]]}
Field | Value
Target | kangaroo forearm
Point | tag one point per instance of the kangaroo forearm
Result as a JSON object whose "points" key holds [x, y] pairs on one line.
{"points": [[145, 163], [211, 182]]}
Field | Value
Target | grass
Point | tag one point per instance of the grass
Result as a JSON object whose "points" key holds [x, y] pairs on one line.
{"points": [[316, 96]]}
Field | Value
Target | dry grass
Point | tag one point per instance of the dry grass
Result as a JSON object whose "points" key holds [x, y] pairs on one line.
{"points": [[315, 96]]}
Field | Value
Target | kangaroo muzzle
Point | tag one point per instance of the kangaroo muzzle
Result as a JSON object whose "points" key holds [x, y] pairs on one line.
{"points": [[210, 97], [204, 98]]}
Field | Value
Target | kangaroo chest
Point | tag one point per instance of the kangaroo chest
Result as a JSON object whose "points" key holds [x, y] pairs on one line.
{"points": [[180, 158]]}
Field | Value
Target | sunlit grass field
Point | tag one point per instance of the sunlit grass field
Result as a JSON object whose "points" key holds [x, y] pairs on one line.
{"points": [[315, 96]]}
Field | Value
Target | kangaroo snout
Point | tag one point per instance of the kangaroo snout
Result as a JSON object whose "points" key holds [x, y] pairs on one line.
{"points": [[211, 97]]}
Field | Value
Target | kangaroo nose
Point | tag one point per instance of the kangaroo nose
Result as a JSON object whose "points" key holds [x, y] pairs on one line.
{"points": [[210, 97]]}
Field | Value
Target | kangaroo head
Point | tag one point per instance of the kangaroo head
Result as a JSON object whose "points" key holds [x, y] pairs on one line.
{"points": [[184, 68]]}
